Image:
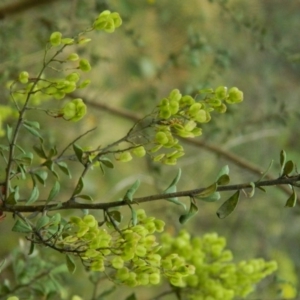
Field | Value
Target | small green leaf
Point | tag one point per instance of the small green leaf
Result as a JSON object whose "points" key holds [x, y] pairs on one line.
{"points": [[261, 188], [223, 180], [288, 168], [207, 191], [131, 297], [33, 131], [292, 200], [223, 171], [172, 187], [64, 168], [282, 158], [13, 197], [32, 124], [40, 151], [54, 191], [55, 219], [251, 194], [78, 152], [2, 265], [22, 227], [211, 198], [133, 216], [33, 196], [106, 162], [192, 211], [131, 191], [25, 158], [70, 264], [9, 133], [41, 176], [52, 152], [86, 197], [116, 215], [228, 206], [266, 172], [79, 187], [41, 222], [106, 292], [31, 249]]}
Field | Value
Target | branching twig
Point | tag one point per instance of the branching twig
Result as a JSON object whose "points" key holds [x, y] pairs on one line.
{"points": [[189, 193]]}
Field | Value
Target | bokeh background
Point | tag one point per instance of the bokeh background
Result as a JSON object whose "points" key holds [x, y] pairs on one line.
{"points": [[188, 45]]}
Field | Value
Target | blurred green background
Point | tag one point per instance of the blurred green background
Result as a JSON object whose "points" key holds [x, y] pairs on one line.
{"points": [[188, 45]]}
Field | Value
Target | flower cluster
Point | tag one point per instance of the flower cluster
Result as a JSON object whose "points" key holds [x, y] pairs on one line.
{"points": [[181, 115], [216, 276], [132, 254]]}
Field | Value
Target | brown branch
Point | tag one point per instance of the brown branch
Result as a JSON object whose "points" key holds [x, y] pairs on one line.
{"points": [[107, 205], [17, 7]]}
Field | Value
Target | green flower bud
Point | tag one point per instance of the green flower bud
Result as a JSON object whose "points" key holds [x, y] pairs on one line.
{"points": [[23, 77], [117, 19], [165, 112], [234, 96], [84, 65], [221, 109], [67, 41], [83, 40], [125, 157], [175, 95], [161, 138], [84, 84], [74, 110], [187, 100], [117, 262], [122, 273], [174, 107], [74, 77], [143, 278], [154, 278], [55, 38], [73, 57], [221, 92], [139, 151], [194, 109], [89, 220], [98, 265]]}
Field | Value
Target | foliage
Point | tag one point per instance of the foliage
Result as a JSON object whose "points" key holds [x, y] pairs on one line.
{"points": [[128, 254]]}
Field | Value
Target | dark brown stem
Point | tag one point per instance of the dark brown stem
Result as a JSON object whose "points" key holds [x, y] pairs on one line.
{"points": [[17, 7], [107, 205]]}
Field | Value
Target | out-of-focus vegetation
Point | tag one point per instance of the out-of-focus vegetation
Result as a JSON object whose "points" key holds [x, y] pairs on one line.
{"points": [[188, 45]]}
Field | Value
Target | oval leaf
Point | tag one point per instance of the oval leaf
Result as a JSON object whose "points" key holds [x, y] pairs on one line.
{"points": [[41, 222], [70, 264], [211, 198], [78, 152], [228, 206], [288, 168], [223, 180], [86, 197], [106, 162], [207, 191], [21, 226], [54, 191], [130, 192], [64, 168], [33, 131], [33, 196], [79, 187], [292, 200], [192, 211]]}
